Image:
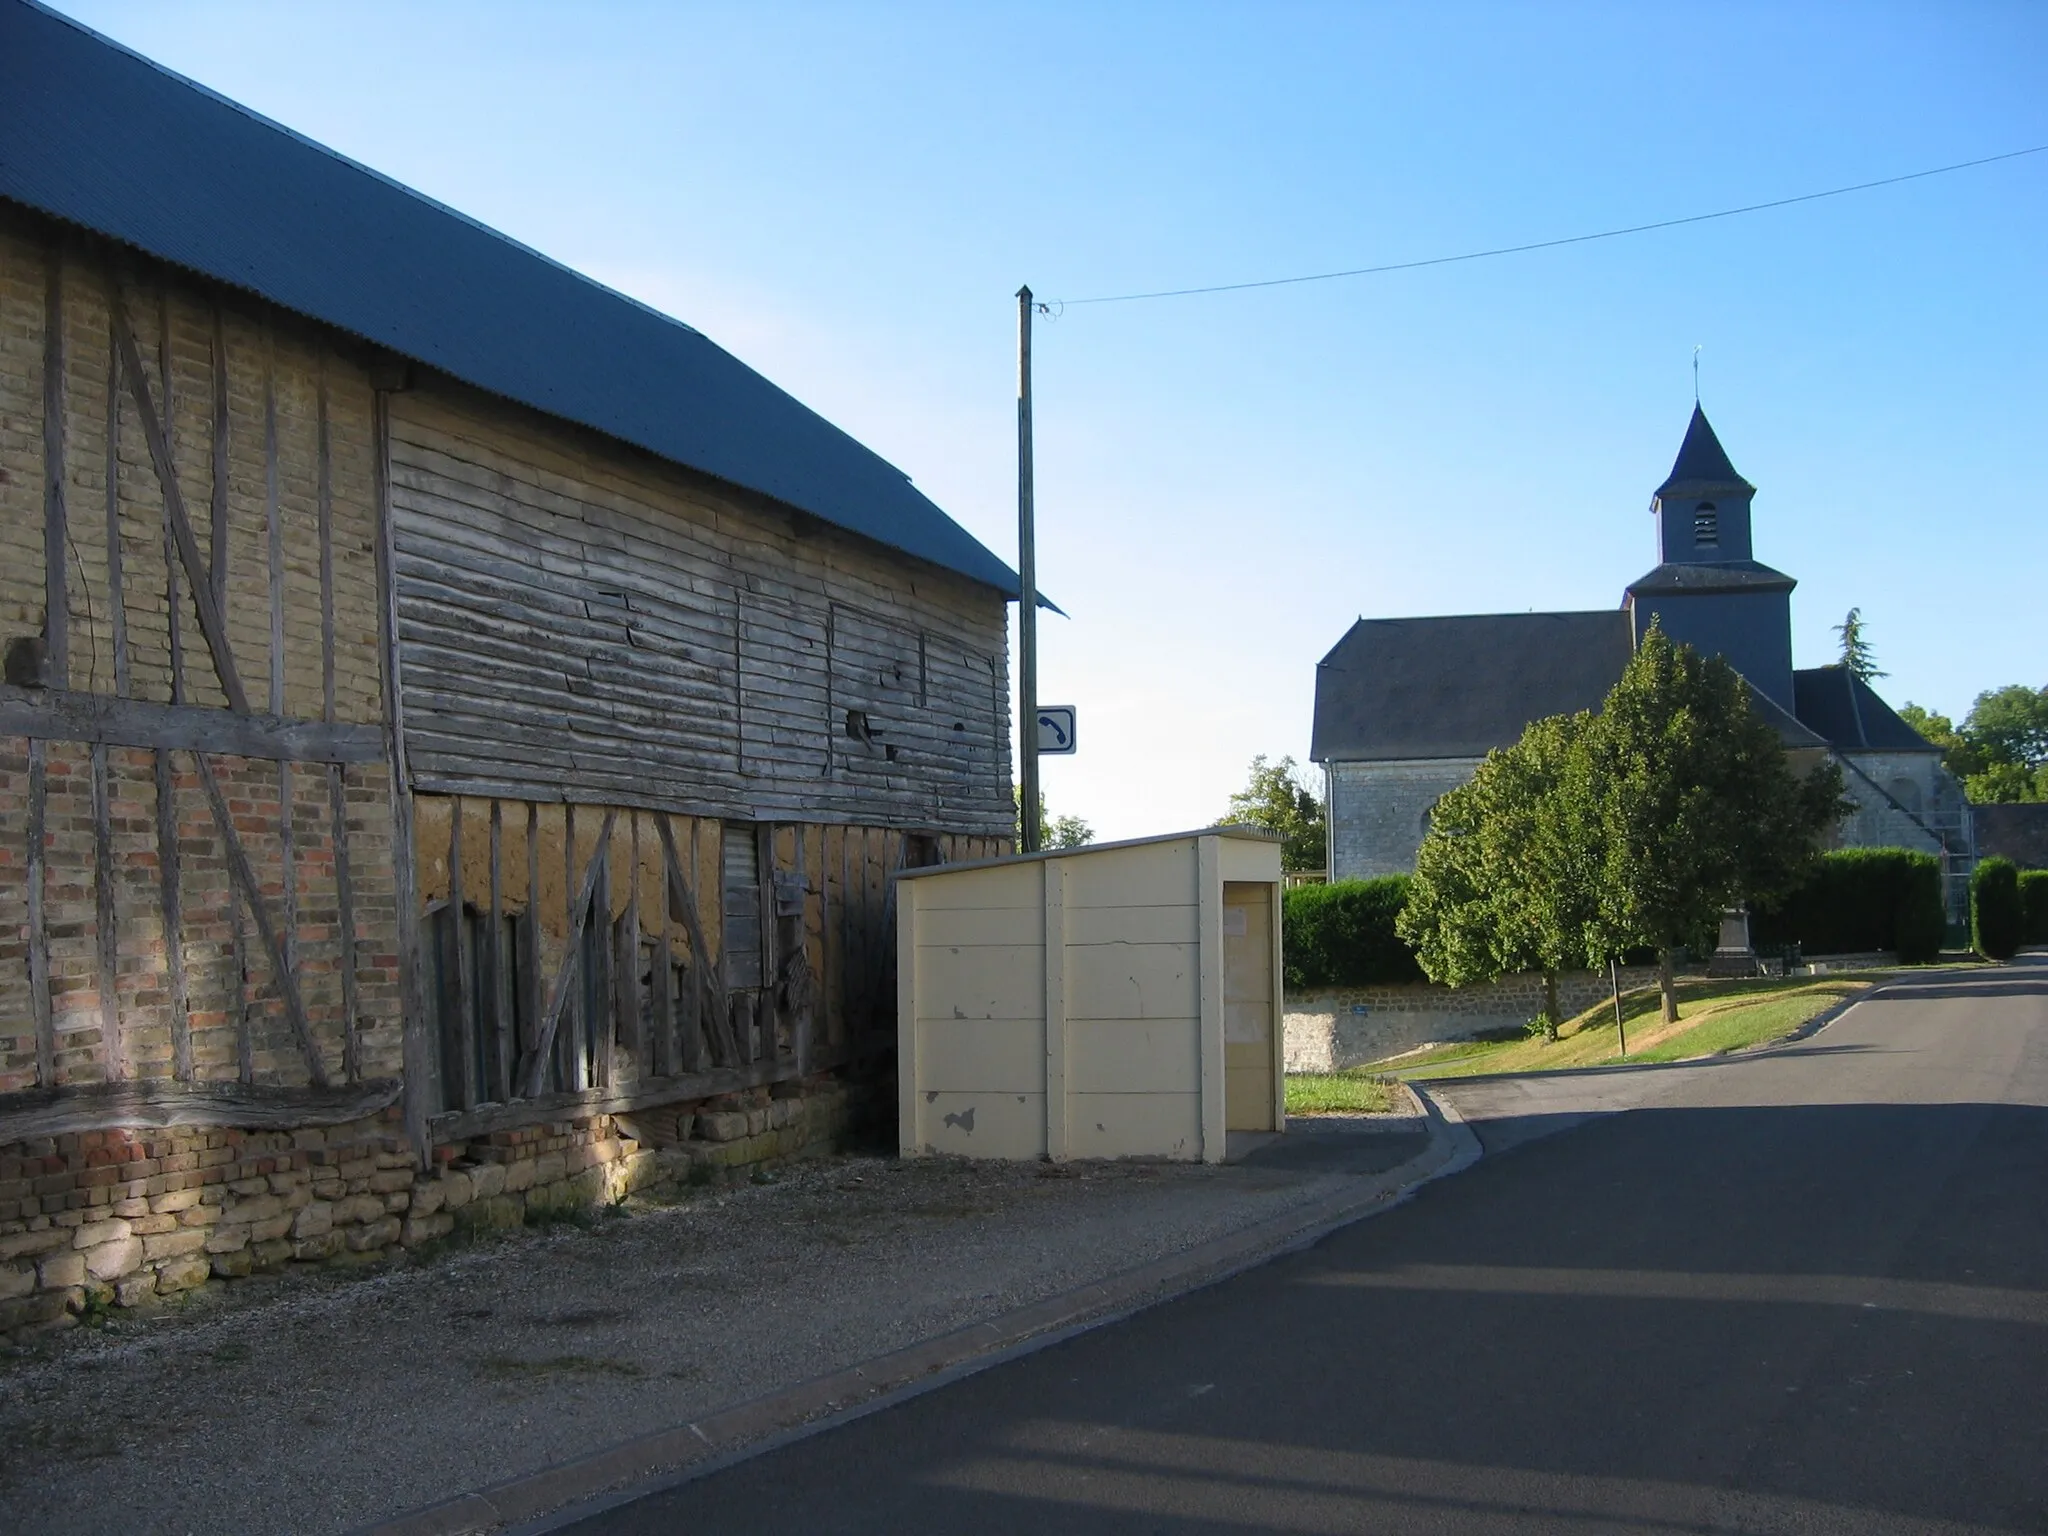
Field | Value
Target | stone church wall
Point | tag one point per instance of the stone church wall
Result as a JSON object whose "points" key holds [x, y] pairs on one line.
{"points": [[1379, 811], [1909, 800]]}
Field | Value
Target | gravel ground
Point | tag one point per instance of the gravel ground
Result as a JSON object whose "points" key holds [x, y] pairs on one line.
{"points": [[326, 1401]]}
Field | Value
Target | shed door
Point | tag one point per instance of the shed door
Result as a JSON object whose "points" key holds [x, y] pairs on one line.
{"points": [[1248, 1006]]}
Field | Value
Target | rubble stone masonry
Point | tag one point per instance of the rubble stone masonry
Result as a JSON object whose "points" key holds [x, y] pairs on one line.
{"points": [[125, 1218]]}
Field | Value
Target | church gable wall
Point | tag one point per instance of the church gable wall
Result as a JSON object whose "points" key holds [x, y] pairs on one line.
{"points": [[1378, 811]]}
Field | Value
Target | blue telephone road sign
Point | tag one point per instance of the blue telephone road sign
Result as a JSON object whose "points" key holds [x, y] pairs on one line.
{"points": [[1056, 730]]}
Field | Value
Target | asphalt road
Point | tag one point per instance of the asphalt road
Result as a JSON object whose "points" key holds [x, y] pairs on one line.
{"points": [[1804, 1291]]}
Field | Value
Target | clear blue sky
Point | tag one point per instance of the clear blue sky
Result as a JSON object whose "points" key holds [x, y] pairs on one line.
{"points": [[847, 196]]}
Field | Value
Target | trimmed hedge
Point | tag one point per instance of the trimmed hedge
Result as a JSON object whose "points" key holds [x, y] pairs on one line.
{"points": [[2034, 906], [1861, 899], [1342, 934], [1995, 916]]}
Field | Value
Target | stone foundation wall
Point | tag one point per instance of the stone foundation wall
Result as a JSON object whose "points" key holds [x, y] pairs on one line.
{"points": [[1332, 1029], [120, 1218]]}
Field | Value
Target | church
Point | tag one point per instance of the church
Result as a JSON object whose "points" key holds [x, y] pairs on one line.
{"points": [[1406, 709]]}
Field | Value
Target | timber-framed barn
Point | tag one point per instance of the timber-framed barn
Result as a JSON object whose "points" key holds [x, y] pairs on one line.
{"points": [[458, 725]]}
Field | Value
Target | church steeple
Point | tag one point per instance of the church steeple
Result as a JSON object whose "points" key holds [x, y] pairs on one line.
{"points": [[1703, 505], [1708, 589]]}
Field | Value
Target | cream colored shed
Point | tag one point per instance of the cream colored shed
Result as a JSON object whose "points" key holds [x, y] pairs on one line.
{"points": [[1119, 1000]]}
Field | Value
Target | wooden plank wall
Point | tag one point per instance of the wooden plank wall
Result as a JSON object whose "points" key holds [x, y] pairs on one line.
{"points": [[580, 623], [194, 832], [658, 1020]]}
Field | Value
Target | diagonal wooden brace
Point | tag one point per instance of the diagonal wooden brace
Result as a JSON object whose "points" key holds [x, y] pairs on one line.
{"points": [[196, 571], [273, 945], [533, 1071], [713, 988]]}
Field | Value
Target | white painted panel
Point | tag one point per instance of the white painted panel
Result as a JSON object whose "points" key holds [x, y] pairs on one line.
{"points": [[1134, 1055], [1135, 925], [1136, 1125], [981, 925], [1151, 875], [1132, 981], [1247, 1023], [1244, 859], [974, 1055], [1010, 1125], [984, 981], [1001, 885]]}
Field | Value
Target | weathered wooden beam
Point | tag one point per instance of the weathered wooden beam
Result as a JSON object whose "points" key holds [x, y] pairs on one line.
{"points": [[418, 1048], [578, 1073], [158, 1105], [259, 910], [534, 1073], [210, 623], [345, 901], [685, 899], [458, 1034], [106, 933], [324, 501], [765, 1043], [117, 599], [461, 1125], [217, 501], [38, 935], [60, 715], [663, 1003], [245, 1045], [273, 523], [632, 1034], [531, 992], [173, 916], [288, 864], [502, 1049], [56, 592]]}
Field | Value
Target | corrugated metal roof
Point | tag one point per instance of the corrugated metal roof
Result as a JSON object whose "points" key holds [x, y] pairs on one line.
{"points": [[101, 137]]}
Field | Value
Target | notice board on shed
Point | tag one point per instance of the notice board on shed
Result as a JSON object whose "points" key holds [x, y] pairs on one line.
{"points": [[1118, 1000]]}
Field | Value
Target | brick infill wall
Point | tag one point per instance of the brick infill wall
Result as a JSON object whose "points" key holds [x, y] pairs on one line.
{"points": [[121, 1218]]}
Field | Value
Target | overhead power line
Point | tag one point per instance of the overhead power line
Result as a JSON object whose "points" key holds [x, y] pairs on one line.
{"points": [[1545, 245]]}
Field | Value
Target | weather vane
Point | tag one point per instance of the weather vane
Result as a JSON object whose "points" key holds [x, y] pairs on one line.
{"points": [[1696, 371]]}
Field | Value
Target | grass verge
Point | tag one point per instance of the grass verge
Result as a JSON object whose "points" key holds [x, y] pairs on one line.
{"points": [[1714, 1017], [1341, 1093]]}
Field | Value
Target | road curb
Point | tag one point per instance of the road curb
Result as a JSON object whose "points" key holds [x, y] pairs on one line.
{"points": [[575, 1490]]}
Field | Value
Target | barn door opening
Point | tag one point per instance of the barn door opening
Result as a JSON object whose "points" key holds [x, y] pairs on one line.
{"points": [[1248, 1006]]}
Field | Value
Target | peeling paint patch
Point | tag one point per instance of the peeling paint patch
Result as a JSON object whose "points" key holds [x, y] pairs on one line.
{"points": [[965, 1120], [931, 1096]]}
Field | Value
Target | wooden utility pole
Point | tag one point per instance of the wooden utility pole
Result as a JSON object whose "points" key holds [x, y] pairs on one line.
{"points": [[1027, 593]]}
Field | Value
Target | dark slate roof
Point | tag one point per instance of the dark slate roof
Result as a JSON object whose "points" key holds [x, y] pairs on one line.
{"points": [[1792, 732], [1702, 463], [100, 137], [1458, 687], [1844, 709], [1722, 576]]}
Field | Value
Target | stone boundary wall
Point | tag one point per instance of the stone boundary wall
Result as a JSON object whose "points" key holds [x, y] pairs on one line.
{"points": [[120, 1218], [1334, 1028]]}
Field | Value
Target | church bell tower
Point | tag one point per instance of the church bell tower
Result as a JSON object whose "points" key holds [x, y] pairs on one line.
{"points": [[1708, 589]]}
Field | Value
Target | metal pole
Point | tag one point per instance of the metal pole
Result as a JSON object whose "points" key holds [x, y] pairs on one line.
{"points": [[1027, 592], [1614, 981]]}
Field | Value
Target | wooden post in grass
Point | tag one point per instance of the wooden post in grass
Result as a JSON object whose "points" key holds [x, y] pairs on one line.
{"points": [[1614, 981]]}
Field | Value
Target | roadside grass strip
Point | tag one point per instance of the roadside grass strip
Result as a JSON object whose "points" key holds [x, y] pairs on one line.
{"points": [[1340, 1093], [1714, 1017]]}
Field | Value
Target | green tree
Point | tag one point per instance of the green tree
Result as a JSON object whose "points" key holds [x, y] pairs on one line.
{"points": [[1508, 878], [2000, 752], [1698, 806], [1275, 798], [1053, 831], [1856, 653]]}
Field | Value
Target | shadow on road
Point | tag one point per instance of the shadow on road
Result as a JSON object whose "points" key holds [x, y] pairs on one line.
{"points": [[1819, 1318]]}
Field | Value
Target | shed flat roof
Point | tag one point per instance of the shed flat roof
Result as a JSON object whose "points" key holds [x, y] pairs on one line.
{"points": [[1229, 829], [100, 137]]}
